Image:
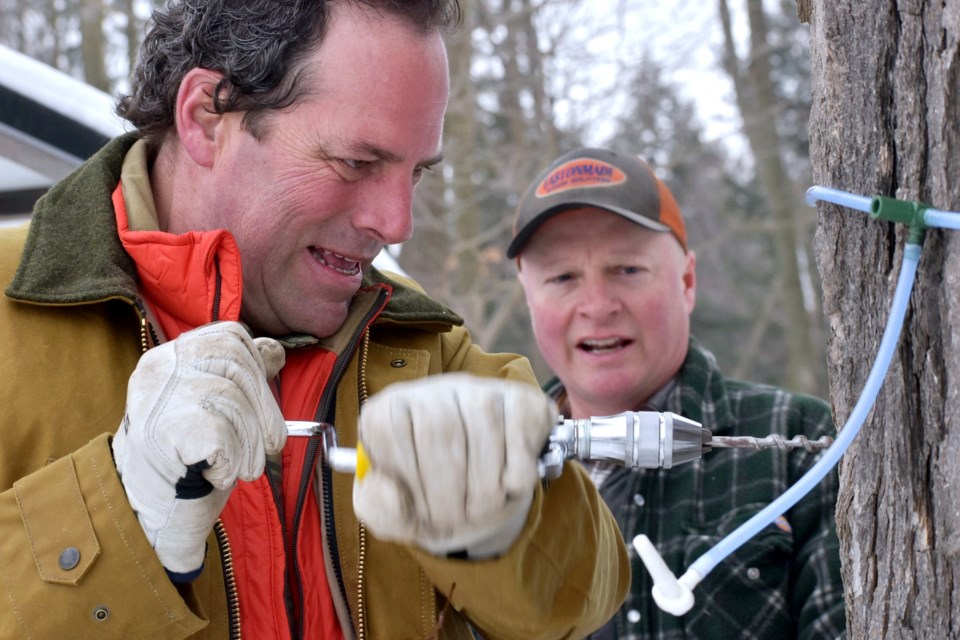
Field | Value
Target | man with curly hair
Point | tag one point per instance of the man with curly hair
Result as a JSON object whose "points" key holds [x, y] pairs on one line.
{"points": [[207, 277]]}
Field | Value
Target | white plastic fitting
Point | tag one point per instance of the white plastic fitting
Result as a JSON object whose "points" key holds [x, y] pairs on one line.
{"points": [[671, 595]]}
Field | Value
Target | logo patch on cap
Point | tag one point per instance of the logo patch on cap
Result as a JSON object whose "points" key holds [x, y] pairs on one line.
{"points": [[582, 173]]}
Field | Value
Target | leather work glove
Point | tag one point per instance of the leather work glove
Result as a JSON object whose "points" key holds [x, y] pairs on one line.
{"points": [[200, 415], [453, 462]]}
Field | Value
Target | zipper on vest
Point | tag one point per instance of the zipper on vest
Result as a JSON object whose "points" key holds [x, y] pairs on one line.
{"points": [[313, 452], [274, 472], [325, 414], [229, 579], [359, 339], [217, 289], [276, 489]]}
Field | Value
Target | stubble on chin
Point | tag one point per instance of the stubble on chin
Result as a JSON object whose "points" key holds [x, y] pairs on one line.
{"points": [[323, 323]]}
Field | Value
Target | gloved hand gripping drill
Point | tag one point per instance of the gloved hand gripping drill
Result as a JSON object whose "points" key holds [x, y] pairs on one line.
{"points": [[200, 415], [452, 462]]}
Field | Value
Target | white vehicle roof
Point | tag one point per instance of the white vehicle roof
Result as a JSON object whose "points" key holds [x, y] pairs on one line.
{"points": [[49, 123]]}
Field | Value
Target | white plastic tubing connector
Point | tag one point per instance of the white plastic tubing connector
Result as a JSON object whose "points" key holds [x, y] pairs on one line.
{"points": [[671, 595]]}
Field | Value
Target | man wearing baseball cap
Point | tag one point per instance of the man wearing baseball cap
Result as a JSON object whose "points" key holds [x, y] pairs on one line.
{"points": [[610, 281]]}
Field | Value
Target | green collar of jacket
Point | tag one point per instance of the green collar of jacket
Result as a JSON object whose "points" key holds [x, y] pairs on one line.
{"points": [[73, 253]]}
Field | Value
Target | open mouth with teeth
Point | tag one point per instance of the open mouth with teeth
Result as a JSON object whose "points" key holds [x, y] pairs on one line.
{"points": [[337, 262], [606, 345]]}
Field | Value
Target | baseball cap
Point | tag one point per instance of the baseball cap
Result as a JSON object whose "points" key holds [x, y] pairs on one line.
{"points": [[619, 183]]}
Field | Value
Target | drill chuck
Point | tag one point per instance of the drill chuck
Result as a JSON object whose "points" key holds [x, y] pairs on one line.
{"points": [[635, 439]]}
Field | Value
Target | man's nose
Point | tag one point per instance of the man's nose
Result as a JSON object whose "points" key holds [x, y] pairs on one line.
{"points": [[386, 210], [599, 300]]}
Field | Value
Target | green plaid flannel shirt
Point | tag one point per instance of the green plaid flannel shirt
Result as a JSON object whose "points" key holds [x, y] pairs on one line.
{"points": [[785, 582]]}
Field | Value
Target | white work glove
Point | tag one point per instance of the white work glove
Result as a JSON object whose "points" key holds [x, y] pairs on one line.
{"points": [[453, 462], [200, 415]]}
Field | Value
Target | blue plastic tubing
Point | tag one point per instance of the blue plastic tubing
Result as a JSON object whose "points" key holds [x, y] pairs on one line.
{"points": [[938, 218], [888, 344], [931, 217], [843, 198]]}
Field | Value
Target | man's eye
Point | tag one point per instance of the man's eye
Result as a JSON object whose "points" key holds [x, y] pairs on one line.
{"points": [[357, 164], [631, 270], [560, 279], [419, 171]]}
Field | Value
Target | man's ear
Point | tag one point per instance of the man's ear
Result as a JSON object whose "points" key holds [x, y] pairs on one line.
{"points": [[196, 119], [690, 281]]}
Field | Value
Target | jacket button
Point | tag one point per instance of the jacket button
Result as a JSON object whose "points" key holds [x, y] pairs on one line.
{"points": [[398, 363], [69, 558], [100, 613]]}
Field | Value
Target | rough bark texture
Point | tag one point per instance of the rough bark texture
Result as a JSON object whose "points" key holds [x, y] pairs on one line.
{"points": [[886, 85]]}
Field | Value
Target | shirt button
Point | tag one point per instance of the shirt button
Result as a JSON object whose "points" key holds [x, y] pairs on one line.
{"points": [[633, 616], [638, 500], [753, 573], [69, 558]]}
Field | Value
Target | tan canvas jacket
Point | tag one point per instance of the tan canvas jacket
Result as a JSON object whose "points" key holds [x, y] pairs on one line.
{"points": [[74, 561]]}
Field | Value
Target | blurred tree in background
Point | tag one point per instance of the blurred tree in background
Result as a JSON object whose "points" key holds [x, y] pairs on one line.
{"points": [[527, 84]]}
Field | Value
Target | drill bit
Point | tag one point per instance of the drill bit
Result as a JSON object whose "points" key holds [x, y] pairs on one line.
{"points": [[773, 441]]}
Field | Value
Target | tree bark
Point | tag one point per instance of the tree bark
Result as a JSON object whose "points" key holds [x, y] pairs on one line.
{"points": [[886, 81]]}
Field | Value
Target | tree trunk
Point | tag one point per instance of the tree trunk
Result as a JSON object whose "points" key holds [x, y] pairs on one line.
{"points": [[93, 44], [132, 31], [886, 81]]}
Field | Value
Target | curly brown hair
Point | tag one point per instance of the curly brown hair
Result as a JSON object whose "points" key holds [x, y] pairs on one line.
{"points": [[259, 47]]}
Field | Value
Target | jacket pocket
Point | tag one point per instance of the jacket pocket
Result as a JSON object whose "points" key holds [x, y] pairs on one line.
{"points": [[387, 365], [57, 525], [748, 590]]}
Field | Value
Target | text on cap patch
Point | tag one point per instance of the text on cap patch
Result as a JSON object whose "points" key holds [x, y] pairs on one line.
{"points": [[579, 174]]}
